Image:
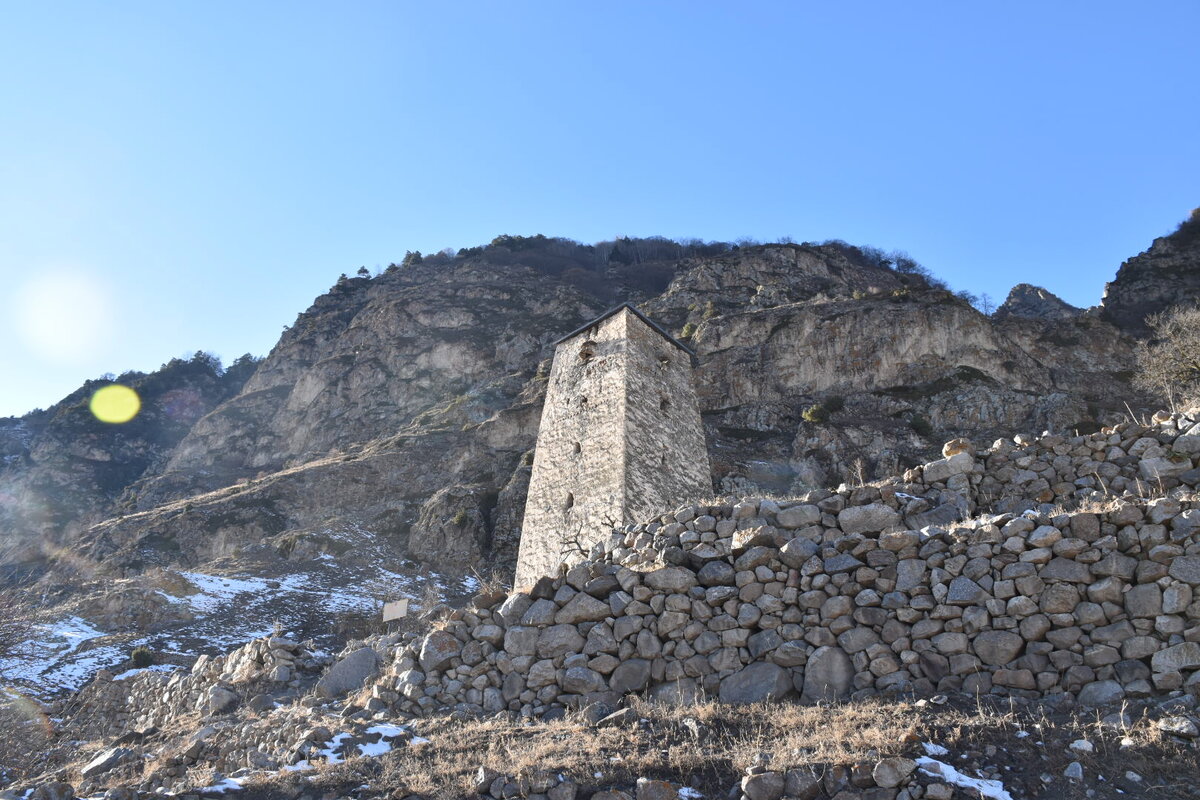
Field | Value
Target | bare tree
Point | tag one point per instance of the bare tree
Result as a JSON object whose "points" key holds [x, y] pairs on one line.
{"points": [[1169, 364]]}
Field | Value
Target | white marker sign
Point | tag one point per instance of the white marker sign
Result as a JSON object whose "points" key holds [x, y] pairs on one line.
{"points": [[395, 610]]}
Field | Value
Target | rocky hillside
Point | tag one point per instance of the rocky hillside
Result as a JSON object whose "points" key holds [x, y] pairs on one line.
{"points": [[404, 407], [1160, 277], [62, 469]]}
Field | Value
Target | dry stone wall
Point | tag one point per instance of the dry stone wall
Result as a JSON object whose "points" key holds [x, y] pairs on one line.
{"points": [[838, 594]]}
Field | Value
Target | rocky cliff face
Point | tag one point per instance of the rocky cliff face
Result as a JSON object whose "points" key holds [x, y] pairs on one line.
{"points": [[1167, 274], [1034, 302], [406, 405]]}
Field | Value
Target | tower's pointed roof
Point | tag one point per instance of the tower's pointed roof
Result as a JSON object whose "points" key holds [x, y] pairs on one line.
{"points": [[651, 323]]}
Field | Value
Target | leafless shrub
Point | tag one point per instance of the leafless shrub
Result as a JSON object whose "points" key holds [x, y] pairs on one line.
{"points": [[1169, 364]]}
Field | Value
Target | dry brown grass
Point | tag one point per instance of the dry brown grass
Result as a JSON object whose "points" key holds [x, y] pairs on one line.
{"points": [[662, 745]]}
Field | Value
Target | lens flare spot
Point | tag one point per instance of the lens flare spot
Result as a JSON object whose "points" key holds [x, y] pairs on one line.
{"points": [[115, 404]]}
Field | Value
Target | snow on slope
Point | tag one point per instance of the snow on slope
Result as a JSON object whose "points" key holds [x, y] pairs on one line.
{"points": [[227, 610]]}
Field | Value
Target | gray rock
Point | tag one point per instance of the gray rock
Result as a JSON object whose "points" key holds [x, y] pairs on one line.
{"points": [[798, 517], [964, 592], [797, 551], [221, 699], [1186, 569], [842, 562], [891, 772], [648, 789], [1144, 601], [756, 683], [1066, 569], [716, 573], [1154, 468], [802, 784], [438, 649], [1185, 655], [867, 519], [828, 675], [910, 573], [632, 675], [683, 692], [559, 640], [582, 608], [106, 760], [1178, 726], [943, 469], [997, 648], [521, 641], [581, 680], [763, 786], [540, 613], [670, 579], [1101, 693]]}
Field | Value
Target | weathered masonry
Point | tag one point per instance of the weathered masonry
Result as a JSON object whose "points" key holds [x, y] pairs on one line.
{"points": [[620, 439]]}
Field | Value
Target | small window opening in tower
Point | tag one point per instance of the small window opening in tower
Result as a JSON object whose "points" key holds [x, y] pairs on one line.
{"points": [[583, 399], [587, 351], [576, 448], [570, 502], [663, 362], [665, 406]]}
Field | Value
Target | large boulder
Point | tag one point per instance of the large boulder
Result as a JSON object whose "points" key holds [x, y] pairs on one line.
{"points": [[676, 580], [106, 760], [438, 649], [945, 468], [828, 675], [997, 648], [867, 519], [632, 675], [582, 608], [1185, 655], [757, 683], [348, 674]]}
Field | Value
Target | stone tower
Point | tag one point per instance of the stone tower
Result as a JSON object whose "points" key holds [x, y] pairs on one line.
{"points": [[620, 440]]}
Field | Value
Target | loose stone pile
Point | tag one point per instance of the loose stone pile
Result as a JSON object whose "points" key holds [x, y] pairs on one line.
{"points": [[836, 595], [252, 674]]}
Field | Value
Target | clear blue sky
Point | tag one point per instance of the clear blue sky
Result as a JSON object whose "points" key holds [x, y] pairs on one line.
{"points": [[184, 175]]}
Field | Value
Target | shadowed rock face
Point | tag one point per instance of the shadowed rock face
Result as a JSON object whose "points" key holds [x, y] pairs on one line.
{"points": [[1036, 303], [406, 405], [1167, 274]]}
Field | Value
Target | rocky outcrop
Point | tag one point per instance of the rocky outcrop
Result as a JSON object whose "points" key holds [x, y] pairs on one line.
{"points": [[1166, 275], [1034, 302]]}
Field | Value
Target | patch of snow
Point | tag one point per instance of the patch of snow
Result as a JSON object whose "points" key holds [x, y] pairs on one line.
{"points": [[419, 740], [227, 785], [387, 730], [934, 749], [688, 793], [993, 790], [1022, 734], [375, 749], [330, 751]]}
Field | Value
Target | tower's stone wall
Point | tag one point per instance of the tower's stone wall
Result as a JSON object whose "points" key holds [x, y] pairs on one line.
{"points": [[666, 461], [620, 438]]}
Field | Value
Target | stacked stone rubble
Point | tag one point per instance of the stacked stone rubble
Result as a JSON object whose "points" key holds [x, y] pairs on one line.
{"points": [[836, 594], [214, 684]]}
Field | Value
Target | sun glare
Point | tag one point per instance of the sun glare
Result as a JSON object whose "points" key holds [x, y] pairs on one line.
{"points": [[115, 403], [65, 316]]}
